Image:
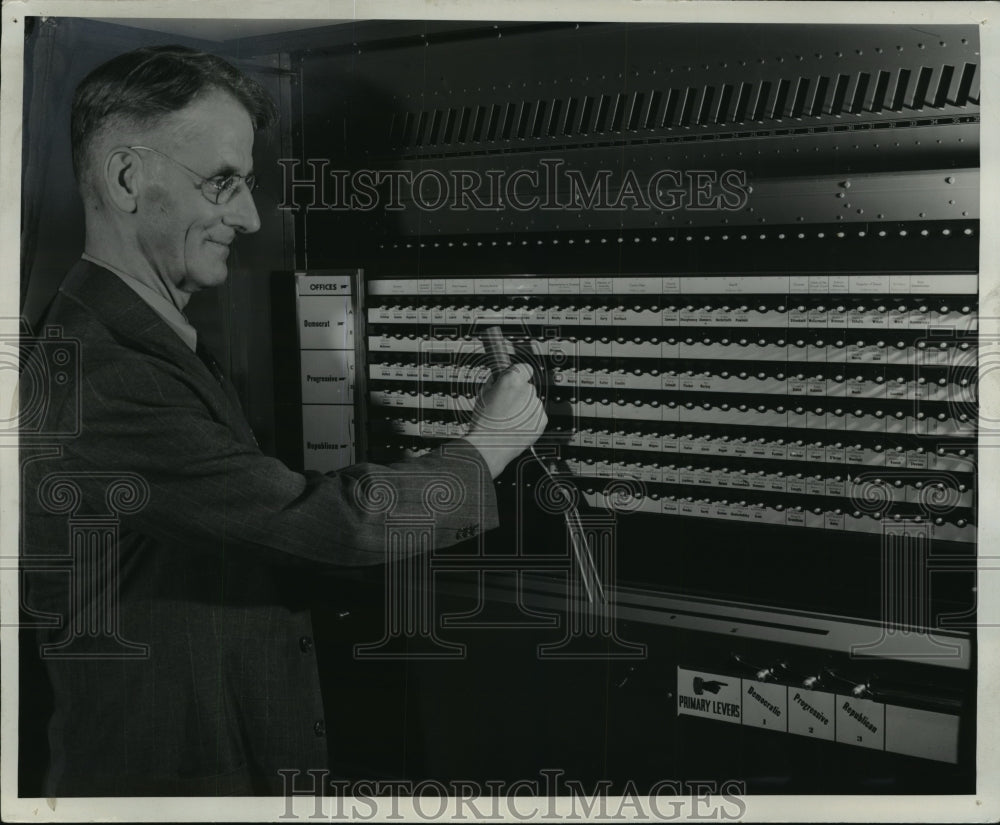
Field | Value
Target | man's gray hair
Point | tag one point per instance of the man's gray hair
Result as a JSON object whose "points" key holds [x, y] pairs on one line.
{"points": [[140, 87]]}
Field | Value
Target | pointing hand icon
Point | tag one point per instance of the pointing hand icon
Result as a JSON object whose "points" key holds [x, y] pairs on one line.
{"points": [[703, 686]]}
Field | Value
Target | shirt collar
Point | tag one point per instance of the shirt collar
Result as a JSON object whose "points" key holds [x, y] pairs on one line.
{"points": [[176, 319]]}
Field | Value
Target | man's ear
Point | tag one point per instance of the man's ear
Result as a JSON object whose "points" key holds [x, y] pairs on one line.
{"points": [[122, 175]]}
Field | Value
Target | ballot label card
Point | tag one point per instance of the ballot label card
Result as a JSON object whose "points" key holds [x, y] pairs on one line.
{"points": [[765, 705], [860, 722], [811, 713]]}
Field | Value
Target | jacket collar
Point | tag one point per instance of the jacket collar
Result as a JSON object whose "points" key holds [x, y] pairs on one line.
{"points": [[120, 308], [122, 311], [163, 306]]}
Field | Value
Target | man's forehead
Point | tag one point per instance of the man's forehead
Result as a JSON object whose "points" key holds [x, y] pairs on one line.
{"points": [[215, 126]]}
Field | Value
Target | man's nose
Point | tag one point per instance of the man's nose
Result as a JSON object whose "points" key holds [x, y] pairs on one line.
{"points": [[242, 212]]}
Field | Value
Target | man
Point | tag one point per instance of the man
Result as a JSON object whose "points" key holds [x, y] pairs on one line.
{"points": [[212, 532]]}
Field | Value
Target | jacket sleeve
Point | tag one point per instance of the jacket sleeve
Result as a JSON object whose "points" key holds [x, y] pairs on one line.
{"points": [[208, 488]]}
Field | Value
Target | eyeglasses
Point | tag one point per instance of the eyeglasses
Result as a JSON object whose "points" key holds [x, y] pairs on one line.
{"points": [[220, 189]]}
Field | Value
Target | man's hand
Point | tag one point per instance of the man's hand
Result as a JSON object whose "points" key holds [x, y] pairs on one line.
{"points": [[508, 418]]}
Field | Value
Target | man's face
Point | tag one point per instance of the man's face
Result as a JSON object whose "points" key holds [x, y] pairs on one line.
{"points": [[182, 235]]}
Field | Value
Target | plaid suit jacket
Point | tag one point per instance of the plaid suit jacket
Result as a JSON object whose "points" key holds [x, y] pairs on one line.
{"points": [[203, 680]]}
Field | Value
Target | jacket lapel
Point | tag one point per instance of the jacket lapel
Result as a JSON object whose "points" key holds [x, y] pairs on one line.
{"points": [[120, 309]]}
